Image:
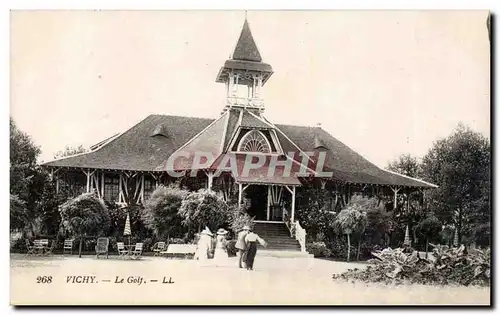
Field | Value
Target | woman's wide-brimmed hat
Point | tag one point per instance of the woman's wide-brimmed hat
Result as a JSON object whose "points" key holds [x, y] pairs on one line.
{"points": [[221, 231], [246, 228], [206, 231]]}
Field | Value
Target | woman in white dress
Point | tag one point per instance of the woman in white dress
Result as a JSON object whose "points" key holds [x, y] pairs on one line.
{"points": [[220, 254], [204, 245]]}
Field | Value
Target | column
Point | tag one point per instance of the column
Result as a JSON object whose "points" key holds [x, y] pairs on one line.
{"points": [[210, 179], [240, 191], [293, 204]]}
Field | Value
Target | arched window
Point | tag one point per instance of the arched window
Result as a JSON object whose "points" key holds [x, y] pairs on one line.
{"points": [[254, 141]]}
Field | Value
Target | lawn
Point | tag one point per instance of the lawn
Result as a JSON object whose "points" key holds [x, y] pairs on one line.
{"points": [[296, 281]]}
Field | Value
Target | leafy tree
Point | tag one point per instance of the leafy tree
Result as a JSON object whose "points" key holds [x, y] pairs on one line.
{"points": [[85, 215], [19, 216], [406, 165], [160, 213], [313, 210], [68, 151], [350, 220], [429, 228], [32, 186], [460, 165], [23, 168], [238, 214], [204, 208]]}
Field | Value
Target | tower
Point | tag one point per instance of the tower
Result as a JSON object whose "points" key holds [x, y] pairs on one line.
{"points": [[244, 74]]}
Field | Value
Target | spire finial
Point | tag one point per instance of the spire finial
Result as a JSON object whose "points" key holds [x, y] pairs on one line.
{"points": [[246, 14]]}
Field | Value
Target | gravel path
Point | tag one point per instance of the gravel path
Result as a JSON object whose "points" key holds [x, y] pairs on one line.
{"points": [[274, 281]]}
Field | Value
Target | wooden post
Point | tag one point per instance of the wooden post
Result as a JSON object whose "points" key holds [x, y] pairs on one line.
{"points": [[120, 189], [268, 201], [210, 177], [88, 180], [395, 190], [102, 185], [293, 204], [142, 188], [240, 192]]}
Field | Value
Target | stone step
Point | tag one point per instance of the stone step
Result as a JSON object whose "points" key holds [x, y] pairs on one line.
{"points": [[283, 253]]}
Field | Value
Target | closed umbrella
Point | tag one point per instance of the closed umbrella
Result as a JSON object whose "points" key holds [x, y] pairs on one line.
{"points": [[127, 231], [407, 241], [455, 238]]}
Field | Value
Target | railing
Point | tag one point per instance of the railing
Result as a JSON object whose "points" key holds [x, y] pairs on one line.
{"points": [[245, 101], [300, 235]]}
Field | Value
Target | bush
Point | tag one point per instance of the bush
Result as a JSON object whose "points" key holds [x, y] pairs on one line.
{"points": [[318, 249], [160, 212], [448, 266], [204, 208], [338, 248]]}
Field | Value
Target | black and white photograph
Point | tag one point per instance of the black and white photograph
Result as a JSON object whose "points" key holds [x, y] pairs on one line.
{"points": [[250, 157]]}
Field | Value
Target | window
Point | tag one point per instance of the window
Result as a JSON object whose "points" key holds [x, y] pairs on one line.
{"points": [[111, 187], [254, 141]]}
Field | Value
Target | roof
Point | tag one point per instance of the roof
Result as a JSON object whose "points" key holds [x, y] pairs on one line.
{"points": [[345, 164], [246, 49], [136, 149]]}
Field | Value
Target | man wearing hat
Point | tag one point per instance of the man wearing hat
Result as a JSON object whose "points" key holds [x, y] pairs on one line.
{"points": [[241, 245]]}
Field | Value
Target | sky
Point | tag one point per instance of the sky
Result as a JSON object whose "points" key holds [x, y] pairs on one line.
{"points": [[385, 83]]}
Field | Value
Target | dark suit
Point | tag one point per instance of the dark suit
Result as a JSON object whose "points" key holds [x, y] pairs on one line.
{"points": [[241, 246]]}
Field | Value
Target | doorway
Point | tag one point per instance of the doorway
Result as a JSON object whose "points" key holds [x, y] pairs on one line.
{"points": [[257, 195]]}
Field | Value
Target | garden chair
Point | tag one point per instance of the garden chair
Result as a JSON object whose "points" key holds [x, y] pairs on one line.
{"points": [[102, 246], [122, 251], [51, 248], [137, 252], [30, 248], [158, 248], [68, 246]]}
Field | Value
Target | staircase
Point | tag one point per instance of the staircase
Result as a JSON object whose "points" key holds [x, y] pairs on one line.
{"points": [[279, 241]]}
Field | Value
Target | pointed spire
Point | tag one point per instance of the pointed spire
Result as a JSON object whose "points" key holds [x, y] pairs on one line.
{"points": [[246, 49]]}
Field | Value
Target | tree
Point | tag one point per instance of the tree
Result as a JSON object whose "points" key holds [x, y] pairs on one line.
{"points": [[69, 150], [429, 228], [85, 215], [350, 220], [204, 208], [313, 210], [406, 165], [160, 213], [460, 165], [19, 216], [23, 156]]}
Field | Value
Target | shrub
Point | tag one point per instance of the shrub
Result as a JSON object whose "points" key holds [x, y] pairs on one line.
{"points": [[204, 208], [448, 266], [85, 215], [318, 249], [161, 212]]}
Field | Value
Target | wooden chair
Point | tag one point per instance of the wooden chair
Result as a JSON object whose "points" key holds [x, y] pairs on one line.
{"points": [[50, 249], [30, 248], [137, 252], [102, 246], [122, 251], [158, 248], [68, 246]]}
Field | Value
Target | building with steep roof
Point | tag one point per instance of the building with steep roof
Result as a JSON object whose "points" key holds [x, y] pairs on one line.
{"points": [[240, 150]]}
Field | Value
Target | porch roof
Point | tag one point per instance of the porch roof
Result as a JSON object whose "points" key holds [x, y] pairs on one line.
{"points": [[260, 169]]}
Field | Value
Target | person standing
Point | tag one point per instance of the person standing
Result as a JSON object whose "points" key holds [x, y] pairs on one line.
{"points": [[204, 246], [251, 241], [241, 246], [220, 254]]}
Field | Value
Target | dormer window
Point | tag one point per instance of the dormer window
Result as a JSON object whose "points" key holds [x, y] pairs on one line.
{"points": [[254, 141], [159, 130]]}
